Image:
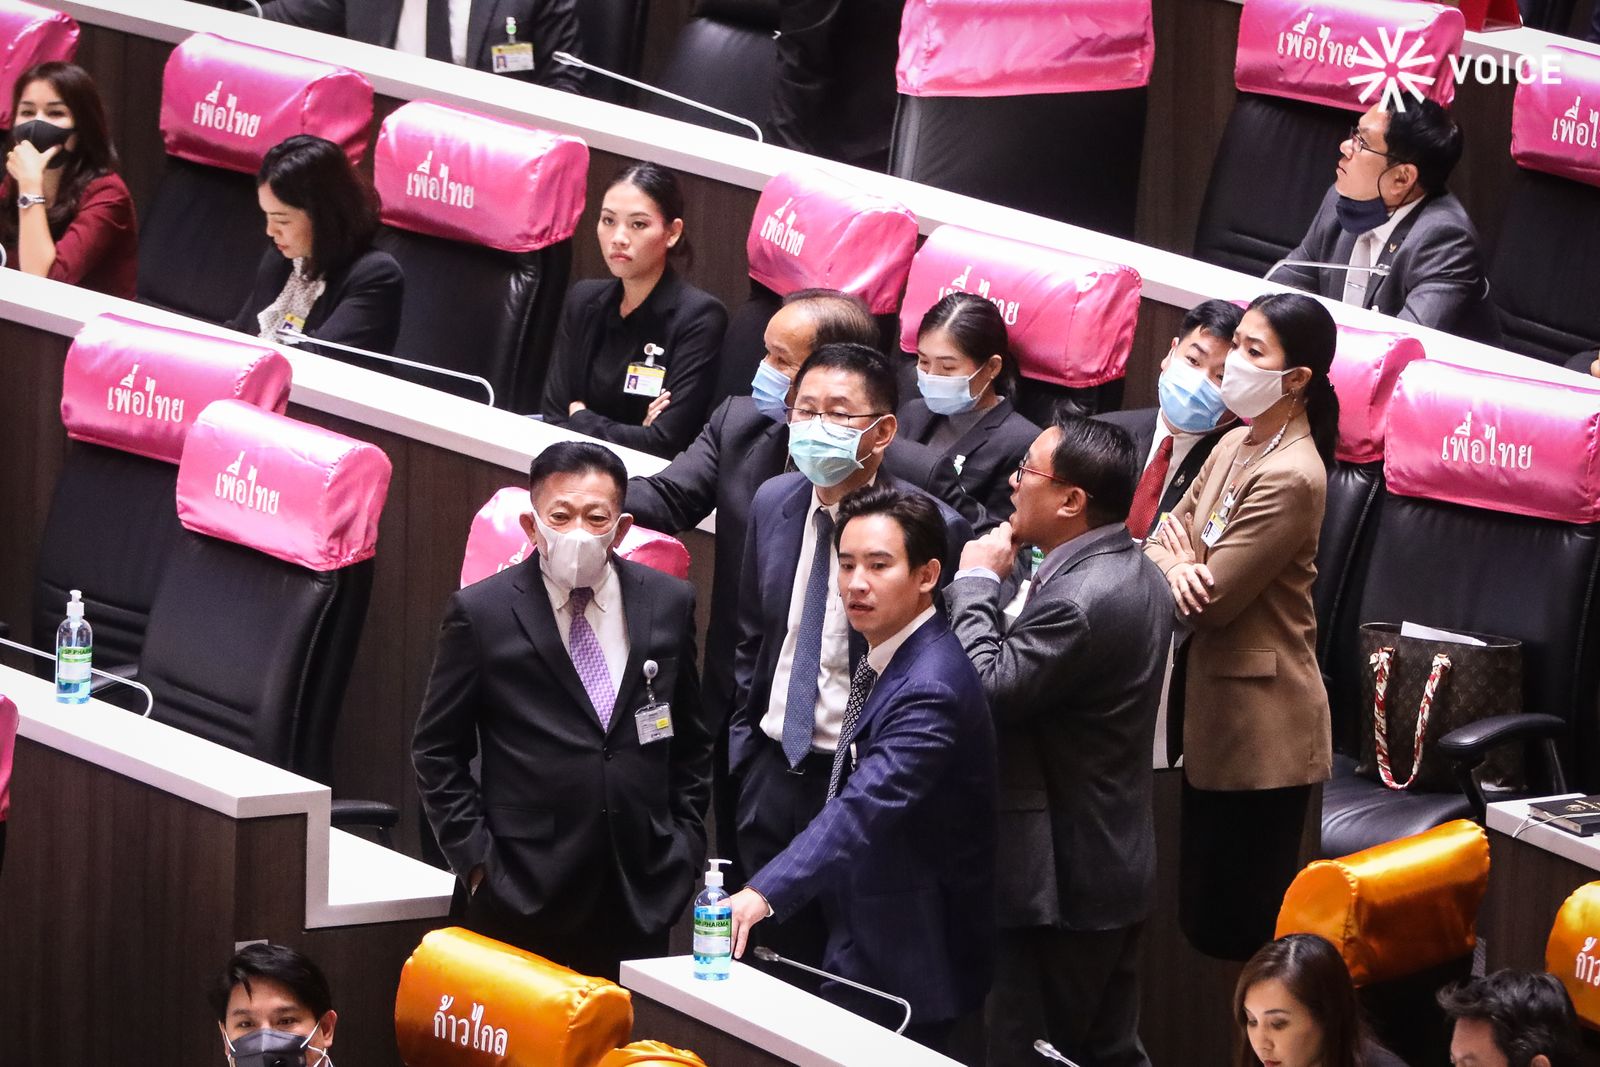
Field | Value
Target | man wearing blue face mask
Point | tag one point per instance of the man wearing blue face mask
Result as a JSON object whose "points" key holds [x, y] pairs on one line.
{"points": [[1176, 437], [796, 652], [1389, 208]]}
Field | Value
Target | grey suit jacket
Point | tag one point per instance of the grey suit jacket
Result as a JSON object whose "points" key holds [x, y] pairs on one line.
{"points": [[1073, 687], [1436, 275]]}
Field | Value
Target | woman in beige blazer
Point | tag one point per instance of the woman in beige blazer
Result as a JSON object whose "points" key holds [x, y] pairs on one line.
{"points": [[1239, 555]]}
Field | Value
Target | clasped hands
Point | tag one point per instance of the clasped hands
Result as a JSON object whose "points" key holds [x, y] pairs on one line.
{"points": [[1190, 581]]}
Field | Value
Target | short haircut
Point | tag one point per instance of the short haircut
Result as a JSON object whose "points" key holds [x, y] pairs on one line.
{"points": [[278, 963], [1424, 134], [577, 457], [838, 318], [877, 374], [916, 514], [1219, 318], [1098, 458], [1528, 1012], [315, 175]]}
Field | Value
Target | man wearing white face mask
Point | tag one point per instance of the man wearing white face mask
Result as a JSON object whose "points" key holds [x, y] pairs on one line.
{"points": [[572, 674]]}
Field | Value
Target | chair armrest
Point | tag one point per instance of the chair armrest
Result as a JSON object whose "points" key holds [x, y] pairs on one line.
{"points": [[1476, 738], [373, 814]]}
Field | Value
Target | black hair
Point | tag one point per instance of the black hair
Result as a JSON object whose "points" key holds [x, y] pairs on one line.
{"points": [[1309, 338], [1423, 133], [661, 186], [277, 963], [577, 457], [883, 391], [1528, 1012], [1219, 318], [1098, 458], [978, 329], [314, 175], [93, 157], [1314, 973], [915, 513], [839, 318]]}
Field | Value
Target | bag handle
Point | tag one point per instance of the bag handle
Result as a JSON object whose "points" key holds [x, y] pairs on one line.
{"points": [[1380, 661]]}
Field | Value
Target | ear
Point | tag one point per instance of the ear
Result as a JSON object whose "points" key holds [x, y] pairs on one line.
{"points": [[886, 429], [1541, 1060], [1073, 503], [624, 524], [525, 520], [994, 366], [1297, 379], [1172, 350], [928, 576], [1404, 178], [326, 1025], [227, 1051], [674, 232]]}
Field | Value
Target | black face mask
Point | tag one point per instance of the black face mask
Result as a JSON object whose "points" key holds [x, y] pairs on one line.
{"points": [[270, 1048], [44, 136]]}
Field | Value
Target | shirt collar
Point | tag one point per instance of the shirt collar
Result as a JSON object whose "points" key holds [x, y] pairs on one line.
{"points": [[880, 657], [1057, 556], [833, 509], [1380, 235], [603, 592]]}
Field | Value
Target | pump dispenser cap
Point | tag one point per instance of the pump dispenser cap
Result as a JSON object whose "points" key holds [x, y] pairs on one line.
{"points": [[75, 605], [713, 872]]}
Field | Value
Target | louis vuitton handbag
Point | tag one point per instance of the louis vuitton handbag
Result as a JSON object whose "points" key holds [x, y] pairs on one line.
{"points": [[1418, 690]]}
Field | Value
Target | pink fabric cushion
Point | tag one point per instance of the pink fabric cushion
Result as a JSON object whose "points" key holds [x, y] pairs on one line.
{"points": [[466, 177], [1365, 369], [496, 541], [224, 103], [1020, 47], [32, 35], [1070, 318], [139, 388], [8, 744], [306, 495], [1556, 128]]}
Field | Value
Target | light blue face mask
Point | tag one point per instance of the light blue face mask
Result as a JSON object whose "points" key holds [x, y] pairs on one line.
{"points": [[947, 394], [1190, 400], [825, 454], [770, 390]]}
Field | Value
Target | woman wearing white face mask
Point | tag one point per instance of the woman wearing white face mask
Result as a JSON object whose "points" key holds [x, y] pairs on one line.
{"points": [[1239, 555], [963, 367]]}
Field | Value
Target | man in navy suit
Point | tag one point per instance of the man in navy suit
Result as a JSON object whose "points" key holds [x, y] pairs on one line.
{"points": [[902, 854]]}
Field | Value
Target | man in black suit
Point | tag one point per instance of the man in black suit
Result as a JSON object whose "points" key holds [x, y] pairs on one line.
{"points": [[471, 33], [1073, 686], [1175, 437], [582, 833]]}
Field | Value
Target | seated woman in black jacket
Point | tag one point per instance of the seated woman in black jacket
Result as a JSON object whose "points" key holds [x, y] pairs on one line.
{"points": [[322, 278], [635, 358]]}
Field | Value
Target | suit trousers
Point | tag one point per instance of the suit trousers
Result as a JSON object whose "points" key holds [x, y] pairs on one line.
{"points": [[1077, 989]]}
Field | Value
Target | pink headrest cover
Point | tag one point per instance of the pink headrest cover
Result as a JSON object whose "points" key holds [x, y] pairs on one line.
{"points": [[139, 388], [496, 541], [1070, 318], [224, 103], [8, 743], [1365, 368], [985, 48], [1342, 55], [32, 35], [1494, 441], [466, 177], [306, 495], [813, 230], [1552, 128]]}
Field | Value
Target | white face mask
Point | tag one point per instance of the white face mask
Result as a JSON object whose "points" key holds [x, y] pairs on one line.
{"points": [[1247, 389], [574, 559]]}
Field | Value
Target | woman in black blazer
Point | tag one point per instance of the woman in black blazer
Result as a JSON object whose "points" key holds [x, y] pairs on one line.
{"points": [[635, 359], [322, 278], [963, 360]]}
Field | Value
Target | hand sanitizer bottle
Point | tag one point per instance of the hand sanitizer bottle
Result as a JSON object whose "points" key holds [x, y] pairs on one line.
{"points": [[74, 648], [713, 928]]}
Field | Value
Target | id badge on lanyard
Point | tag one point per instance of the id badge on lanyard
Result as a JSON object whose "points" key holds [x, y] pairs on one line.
{"points": [[646, 379], [1212, 532], [511, 57]]}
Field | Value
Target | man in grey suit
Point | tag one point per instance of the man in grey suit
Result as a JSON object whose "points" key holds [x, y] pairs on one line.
{"points": [[1388, 207], [1073, 686]]}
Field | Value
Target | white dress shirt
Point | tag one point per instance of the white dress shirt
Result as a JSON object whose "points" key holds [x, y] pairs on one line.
{"points": [[606, 619], [1365, 252], [882, 655], [1182, 445], [411, 35]]}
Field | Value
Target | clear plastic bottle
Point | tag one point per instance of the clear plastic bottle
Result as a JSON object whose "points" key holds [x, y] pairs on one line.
{"points": [[713, 928], [74, 651]]}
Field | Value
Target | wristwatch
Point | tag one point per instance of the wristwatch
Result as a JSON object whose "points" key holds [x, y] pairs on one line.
{"points": [[24, 200]]}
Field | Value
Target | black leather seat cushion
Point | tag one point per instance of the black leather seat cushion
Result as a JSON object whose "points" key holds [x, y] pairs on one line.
{"points": [[201, 241], [611, 33], [725, 57], [1359, 813], [1546, 267], [1273, 167], [1068, 156]]}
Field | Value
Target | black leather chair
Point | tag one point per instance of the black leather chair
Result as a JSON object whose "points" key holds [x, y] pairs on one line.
{"points": [[1344, 552], [611, 33], [725, 57], [1545, 265], [200, 241]]}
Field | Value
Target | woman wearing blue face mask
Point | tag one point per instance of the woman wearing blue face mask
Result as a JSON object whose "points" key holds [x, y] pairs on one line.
{"points": [[963, 362]]}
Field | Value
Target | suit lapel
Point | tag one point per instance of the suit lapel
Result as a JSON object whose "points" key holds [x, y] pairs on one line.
{"points": [[784, 561], [916, 422], [538, 620], [900, 670], [1189, 468], [1390, 249], [974, 439], [480, 18], [640, 618]]}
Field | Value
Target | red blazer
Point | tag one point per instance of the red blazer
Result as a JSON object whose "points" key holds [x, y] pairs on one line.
{"points": [[100, 249]]}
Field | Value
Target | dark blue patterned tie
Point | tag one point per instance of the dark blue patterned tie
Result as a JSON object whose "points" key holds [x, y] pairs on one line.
{"points": [[860, 689], [800, 707]]}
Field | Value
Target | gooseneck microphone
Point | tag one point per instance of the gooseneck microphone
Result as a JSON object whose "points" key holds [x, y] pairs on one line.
{"points": [[1382, 270], [764, 953], [573, 61], [295, 338], [149, 697], [1048, 1051]]}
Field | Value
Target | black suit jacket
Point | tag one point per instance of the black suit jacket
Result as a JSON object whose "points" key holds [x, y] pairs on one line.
{"points": [[1074, 687], [561, 804], [549, 25], [989, 452], [1140, 424], [360, 305]]}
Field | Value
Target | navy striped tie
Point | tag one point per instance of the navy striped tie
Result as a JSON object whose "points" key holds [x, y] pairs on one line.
{"points": [[800, 706]]}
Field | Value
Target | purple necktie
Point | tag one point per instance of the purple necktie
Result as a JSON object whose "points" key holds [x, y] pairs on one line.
{"points": [[588, 658]]}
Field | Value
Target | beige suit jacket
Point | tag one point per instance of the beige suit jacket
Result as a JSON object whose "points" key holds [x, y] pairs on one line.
{"points": [[1256, 713]]}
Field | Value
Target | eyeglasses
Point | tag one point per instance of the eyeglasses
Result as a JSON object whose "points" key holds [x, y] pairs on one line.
{"points": [[1023, 468], [838, 422], [1361, 144]]}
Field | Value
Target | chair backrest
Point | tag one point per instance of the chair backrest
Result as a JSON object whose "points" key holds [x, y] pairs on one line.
{"points": [[1297, 101], [223, 105], [1543, 265], [29, 35], [130, 394], [479, 213], [979, 82], [725, 57], [611, 33], [1070, 319], [255, 624]]}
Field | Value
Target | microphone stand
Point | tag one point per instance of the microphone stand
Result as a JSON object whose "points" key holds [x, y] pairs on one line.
{"points": [[1382, 270], [295, 338], [1048, 1051], [764, 953], [573, 61]]}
